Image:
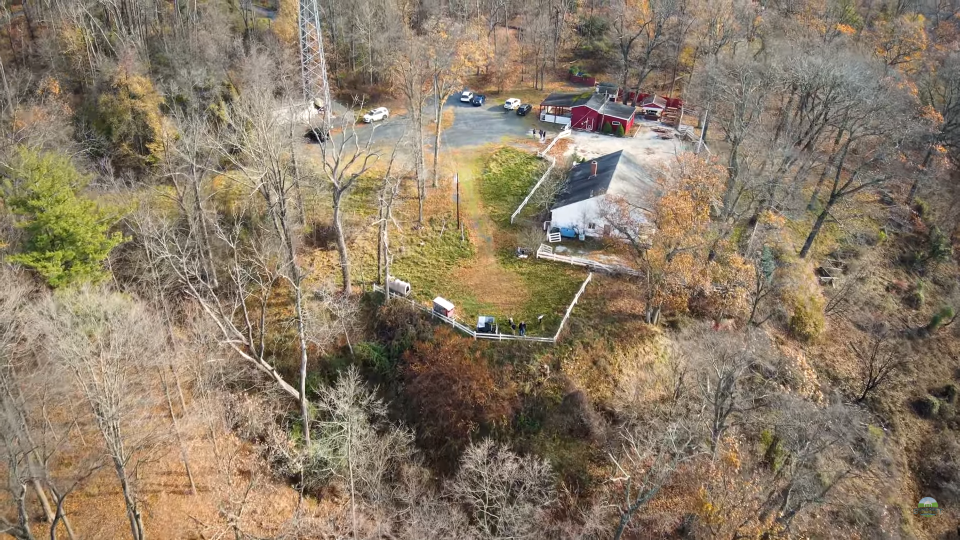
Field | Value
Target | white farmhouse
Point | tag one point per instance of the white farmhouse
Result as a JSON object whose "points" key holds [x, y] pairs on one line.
{"points": [[591, 184]]}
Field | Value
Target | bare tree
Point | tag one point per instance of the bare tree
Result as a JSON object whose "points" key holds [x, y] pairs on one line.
{"points": [[426, 513], [446, 66], [389, 191], [504, 492], [737, 90], [344, 160], [238, 308], [658, 20], [721, 364], [878, 361], [17, 451], [189, 163], [865, 141], [354, 442], [415, 77], [257, 143], [35, 421], [823, 447], [107, 343], [648, 458]]}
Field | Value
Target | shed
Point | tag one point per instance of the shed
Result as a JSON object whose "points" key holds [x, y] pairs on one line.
{"points": [[653, 104], [443, 307], [612, 90]]}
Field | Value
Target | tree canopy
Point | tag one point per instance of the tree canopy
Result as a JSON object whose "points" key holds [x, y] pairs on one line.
{"points": [[67, 236]]}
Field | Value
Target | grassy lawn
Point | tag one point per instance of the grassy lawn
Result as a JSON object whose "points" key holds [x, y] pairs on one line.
{"points": [[508, 175], [551, 287], [481, 275], [430, 259]]}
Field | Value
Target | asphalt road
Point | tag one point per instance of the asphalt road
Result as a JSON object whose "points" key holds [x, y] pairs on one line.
{"points": [[472, 126]]}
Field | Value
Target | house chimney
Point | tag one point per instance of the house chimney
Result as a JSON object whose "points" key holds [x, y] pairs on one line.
{"points": [[593, 168]]}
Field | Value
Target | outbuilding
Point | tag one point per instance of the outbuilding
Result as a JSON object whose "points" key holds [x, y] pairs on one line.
{"points": [[599, 111], [442, 306], [557, 107], [653, 104]]}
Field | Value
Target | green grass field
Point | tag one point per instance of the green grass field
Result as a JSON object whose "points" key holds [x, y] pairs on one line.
{"points": [[508, 175], [481, 274]]}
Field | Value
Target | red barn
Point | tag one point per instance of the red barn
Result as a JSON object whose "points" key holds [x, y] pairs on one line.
{"points": [[598, 111]]}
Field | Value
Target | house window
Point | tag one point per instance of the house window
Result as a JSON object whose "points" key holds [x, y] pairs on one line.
{"points": [[616, 123], [592, 226]]}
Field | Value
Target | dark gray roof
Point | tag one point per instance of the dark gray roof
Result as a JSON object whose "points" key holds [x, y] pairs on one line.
{"points": [[580, 186], [596, 101], [618, 110], [608, 88], [568, 99]]}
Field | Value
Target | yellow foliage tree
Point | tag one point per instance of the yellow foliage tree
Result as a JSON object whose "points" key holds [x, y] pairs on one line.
{"points": [[128, 115], [902, 41], [285, 25], [673, 239]]}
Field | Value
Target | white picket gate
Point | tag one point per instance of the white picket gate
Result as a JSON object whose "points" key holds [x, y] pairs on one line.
{"points": [[546, 252]]}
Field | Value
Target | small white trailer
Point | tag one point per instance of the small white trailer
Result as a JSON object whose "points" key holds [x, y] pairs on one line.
{"points": [[443, 307]]}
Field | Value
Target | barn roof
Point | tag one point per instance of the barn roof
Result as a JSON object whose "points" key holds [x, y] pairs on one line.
{"points": [[608, 88], [595, 102], [618, 110], [580, 185], [617, 173], [566, 99], [654, 100]]}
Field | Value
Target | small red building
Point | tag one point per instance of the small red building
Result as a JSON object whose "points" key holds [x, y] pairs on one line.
{"points": [[598, 111]]}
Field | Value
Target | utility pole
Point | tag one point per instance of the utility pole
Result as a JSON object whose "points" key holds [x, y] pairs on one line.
{"points": [[313, 65], [456, 179], [703, 131]]}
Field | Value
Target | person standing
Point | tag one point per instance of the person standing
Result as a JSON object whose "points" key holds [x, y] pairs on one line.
{"points": [[523, 328]]}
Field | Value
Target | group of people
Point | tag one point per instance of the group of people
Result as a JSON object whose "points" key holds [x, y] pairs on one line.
{"points": [[522, 327], [539, 133]]}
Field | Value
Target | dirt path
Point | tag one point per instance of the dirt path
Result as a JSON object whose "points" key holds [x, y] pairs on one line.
{"points": [[484, 276]]}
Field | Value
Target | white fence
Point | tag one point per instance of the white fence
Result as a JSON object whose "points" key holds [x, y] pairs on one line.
{"points": [[564, 133], [495, 337], [546, 252]]}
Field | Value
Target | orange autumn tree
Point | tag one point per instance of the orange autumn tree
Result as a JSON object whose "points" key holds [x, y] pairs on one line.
{"points": [[454, 391], [675, 242]]}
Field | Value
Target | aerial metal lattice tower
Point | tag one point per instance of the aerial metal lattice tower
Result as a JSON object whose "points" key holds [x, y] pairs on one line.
{"points": [[313, 66]]}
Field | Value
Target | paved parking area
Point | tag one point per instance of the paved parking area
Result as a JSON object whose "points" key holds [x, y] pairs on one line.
{"points": [[472, 126]]}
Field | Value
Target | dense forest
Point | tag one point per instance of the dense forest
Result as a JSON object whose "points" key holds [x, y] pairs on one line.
{"points": [[195, 339]]}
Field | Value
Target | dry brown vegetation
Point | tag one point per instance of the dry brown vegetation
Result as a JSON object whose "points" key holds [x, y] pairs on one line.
{"points": [[189, 346]]}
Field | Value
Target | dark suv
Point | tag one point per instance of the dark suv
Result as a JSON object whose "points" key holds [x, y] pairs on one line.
{"points": [[478, 100], [524, 109], [317, 134]]}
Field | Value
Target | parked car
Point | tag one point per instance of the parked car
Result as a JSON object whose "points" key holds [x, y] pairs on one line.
{"points": [[466, 96], [478, 100], [511, 104], [317, 135], [524, 109], [380, 113]]}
